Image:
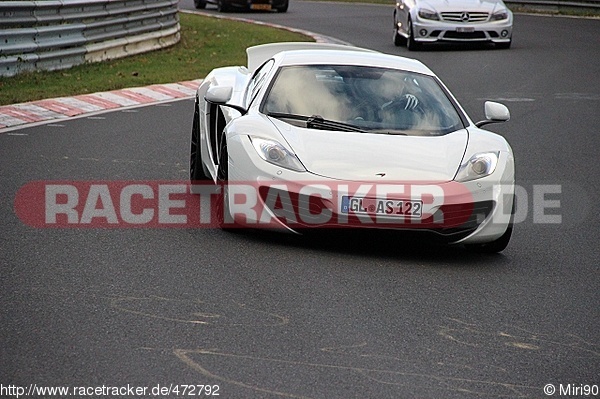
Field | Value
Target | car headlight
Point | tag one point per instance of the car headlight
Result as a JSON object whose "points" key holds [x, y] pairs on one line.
{"points": [[428, 14], [275, 153], [499, 15], [478, 166]]}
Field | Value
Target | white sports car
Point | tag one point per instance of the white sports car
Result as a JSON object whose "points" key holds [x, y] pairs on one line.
{"points": [[417, 22], [312, 135]]}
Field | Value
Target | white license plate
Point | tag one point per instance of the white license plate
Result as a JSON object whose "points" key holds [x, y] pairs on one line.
{"points": [[465, 29], [382, 207], [266, 7]]}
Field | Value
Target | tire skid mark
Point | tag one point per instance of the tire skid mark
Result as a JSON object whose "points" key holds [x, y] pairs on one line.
{"points": [[194, 311], [468, 334], [196, 359]]}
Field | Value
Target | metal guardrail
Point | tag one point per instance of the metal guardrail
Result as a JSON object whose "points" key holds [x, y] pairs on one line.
{"points": [[58, 34]]}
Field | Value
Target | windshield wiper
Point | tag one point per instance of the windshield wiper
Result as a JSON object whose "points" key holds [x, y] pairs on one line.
{"points": [[318, 122], [287, 116], [388, 131]]}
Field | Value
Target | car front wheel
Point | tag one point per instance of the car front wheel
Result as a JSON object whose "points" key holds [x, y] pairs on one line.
{"points": [[411, 43], [222, 6], [283, 7], [197, 171], [505, 45], [399, 40], [224, 218], [200, 4]]}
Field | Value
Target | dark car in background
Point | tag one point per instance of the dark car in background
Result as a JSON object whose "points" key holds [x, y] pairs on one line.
{"points": [[261, 5]]}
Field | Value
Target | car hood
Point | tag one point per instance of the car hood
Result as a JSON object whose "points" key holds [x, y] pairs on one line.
{"points": [[462, 5], [364, 157]]}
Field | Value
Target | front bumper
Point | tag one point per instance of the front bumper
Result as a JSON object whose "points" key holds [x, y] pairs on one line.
{"points": [[263, 195], [428, 31]]}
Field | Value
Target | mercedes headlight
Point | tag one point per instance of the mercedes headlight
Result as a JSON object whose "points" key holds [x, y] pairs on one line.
{"points": [[500, 15], [478, 166], [428, 14], [275, 153]]}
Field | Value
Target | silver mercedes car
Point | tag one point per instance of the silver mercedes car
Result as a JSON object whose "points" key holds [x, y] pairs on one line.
{"points": [[417, 22]]}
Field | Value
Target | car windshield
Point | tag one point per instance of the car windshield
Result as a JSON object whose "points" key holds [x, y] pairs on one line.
{"points": [[372, 99]]}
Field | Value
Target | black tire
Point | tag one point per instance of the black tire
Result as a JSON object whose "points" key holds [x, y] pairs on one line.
{"points": [[399, 40], [200, 4], [411, 43], [504, 46], [223, 6], [222, 209], [197, 172], [494, 246], [284, 7]]}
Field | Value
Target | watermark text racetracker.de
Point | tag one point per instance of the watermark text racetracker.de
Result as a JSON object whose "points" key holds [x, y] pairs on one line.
{"points": [[159, 390], [151, 204]]}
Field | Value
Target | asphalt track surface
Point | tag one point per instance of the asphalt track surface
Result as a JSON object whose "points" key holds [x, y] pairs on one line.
{"points": [[330, 316]]}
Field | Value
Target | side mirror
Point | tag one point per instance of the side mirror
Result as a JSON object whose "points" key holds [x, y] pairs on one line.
{"points": [[220, 95], [494, 113]]}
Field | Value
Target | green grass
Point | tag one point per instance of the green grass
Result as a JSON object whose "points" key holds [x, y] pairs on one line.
{"points": [[206, 43]]}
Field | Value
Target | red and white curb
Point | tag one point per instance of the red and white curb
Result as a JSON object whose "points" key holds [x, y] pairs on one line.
{"points": [[20, 115]]}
